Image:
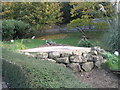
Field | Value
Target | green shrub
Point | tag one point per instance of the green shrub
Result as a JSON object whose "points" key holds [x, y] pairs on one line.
{"points": [[26, 72], [8, 29], [13, 29], [112, 61], [21, 29], [85, 43]]}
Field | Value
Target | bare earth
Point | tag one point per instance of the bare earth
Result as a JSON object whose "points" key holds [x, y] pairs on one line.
{"points": [[99, 78]]}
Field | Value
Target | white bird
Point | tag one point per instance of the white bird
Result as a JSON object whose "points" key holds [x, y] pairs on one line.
{"points": [[33, 37], [116, 53], [12, 41]]}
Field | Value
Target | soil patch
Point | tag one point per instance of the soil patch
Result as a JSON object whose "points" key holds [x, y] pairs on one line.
{"points": [[99, 78]]}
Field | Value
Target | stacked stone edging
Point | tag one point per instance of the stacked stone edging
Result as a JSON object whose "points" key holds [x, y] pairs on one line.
{"points": [[77, 60]]}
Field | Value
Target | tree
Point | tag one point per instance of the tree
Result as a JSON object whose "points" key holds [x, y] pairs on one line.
{"points": [[83, 14], [66, 7], [33, 12]]}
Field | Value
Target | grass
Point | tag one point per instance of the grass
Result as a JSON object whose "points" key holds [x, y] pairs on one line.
{"points": [[27, 72], [66, 39]]}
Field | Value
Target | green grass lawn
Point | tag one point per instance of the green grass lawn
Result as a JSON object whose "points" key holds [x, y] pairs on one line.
{"points": [[70, 39], [27, 72]]}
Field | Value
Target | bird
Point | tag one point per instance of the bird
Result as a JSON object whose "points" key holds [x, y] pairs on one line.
{"points": [[116, 53], [33, 37], [50, 42]]}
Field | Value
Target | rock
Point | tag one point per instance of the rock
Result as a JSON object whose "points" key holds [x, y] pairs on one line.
{"points": [[77, 52], [95, 48], [62, 60], [54, 55], [98, 49], [87, 66], [51, 60], [62, 65], [42, 55], [84, 59], [75, 59], [84, 54], [101, 51], [95, 58], [27, 54], [75, 67], [89, 57], [65, 54], [93, 52], [99, 61], [98, 64]]}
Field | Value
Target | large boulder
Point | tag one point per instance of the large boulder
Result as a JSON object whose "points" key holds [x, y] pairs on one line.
{"points": [[64, 60], [88, 66], [54, 55], [75, 67], [99, 61], [76, 59]]}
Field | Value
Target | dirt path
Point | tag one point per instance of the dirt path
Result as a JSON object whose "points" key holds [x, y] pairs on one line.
{"points": [[99, 78]]}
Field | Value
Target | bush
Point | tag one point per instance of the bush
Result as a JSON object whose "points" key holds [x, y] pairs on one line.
{"points": [[85, 43], [33, 12], [26, 72], [112, 37], [13, 29], [8, 29], [21, 29], [112, 61]]}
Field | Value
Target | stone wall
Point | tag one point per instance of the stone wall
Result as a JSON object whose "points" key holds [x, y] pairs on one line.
{"points": [[78, 61]]}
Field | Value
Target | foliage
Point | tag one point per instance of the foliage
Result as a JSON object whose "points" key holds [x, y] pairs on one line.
{"points": [[39, 29], [84, 13], [91, 9], [101, 25], [80, 22], [32, 12], [66, 7], [13, 29], [112, 61], [14, 46], [8, 29], [112, 37], [85, 43], [27, 72], [83, 8]]}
